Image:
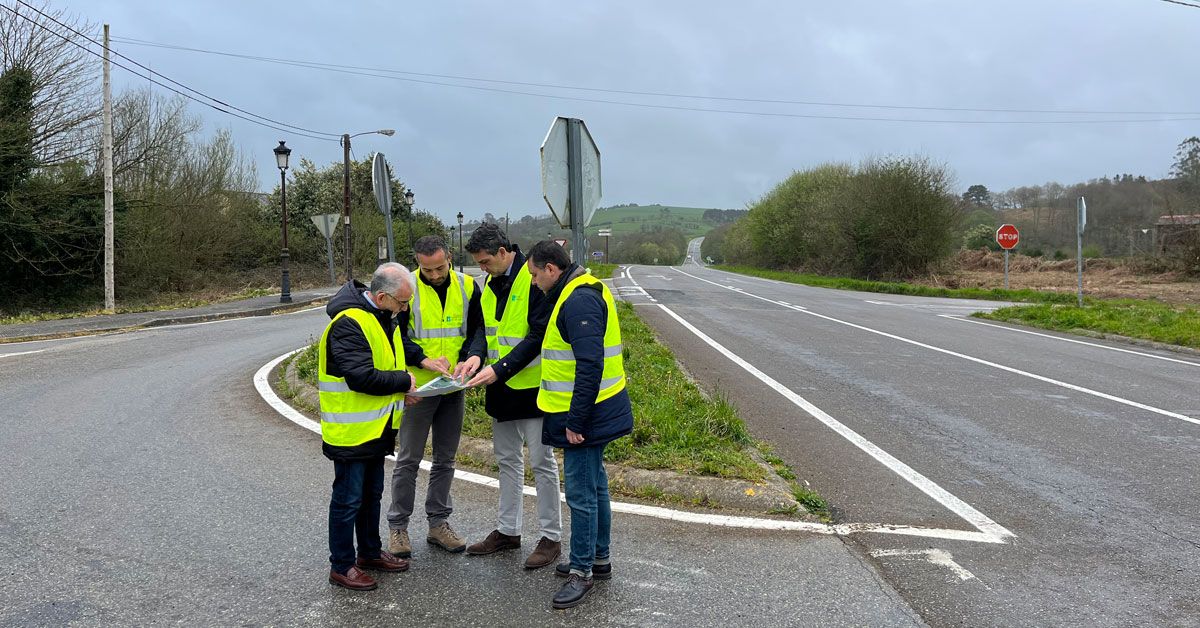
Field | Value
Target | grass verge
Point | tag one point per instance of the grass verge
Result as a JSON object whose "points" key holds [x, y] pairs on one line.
{"points": [[172, 303], [675, 426], [891, 287], [1149, 320], [601, 271]]}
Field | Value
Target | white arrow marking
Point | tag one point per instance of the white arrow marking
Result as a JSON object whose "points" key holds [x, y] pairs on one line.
{"points": [[938, 557]]}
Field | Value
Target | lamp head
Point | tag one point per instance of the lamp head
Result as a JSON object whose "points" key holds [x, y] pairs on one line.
{"points": [[281, 155]]}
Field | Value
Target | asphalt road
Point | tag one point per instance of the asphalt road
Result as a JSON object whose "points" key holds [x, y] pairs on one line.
{"points": [[146, 482], [1080, 457]]}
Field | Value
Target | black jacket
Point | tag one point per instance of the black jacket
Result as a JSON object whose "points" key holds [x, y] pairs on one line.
{"points": [[501, 402], [583, 321], [349, 356]]}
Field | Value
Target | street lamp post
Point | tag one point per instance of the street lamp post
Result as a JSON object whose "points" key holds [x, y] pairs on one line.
{"points": [[460, 242], [348, 243], [281, 159], [408, 198]]}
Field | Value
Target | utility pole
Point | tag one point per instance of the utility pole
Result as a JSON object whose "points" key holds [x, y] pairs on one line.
{"points": [[110, 300], [347, 251]]}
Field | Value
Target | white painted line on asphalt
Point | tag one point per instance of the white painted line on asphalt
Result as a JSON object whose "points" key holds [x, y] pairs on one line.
{"points": [[938, 557], [927, 305], [1041, 378], [1078, 342], [264, 390], [643, 290], [927, 486], [9, 355]]}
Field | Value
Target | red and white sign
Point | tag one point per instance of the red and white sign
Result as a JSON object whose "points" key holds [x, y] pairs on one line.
{"points": [[1007, 237], [561, 242]]}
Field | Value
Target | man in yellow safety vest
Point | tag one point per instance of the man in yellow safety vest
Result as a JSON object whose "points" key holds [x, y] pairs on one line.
{"points": [[361, 385], [583, 395]]}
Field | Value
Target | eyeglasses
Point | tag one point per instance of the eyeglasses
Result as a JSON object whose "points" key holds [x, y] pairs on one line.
{"points": [[401, 302]]}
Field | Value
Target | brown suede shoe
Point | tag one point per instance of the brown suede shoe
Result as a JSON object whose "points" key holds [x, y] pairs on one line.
{"points": [[385, 562], [354, 580], [494, 543], [547, 551]]}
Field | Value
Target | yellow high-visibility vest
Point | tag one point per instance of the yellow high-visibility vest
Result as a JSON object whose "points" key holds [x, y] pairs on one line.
{"points": [[558, 360], [439, 331], [350, 418], [511, 328]]}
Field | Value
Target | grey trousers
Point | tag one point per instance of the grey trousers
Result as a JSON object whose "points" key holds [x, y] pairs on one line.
{"points": [[443, 415], [507, 439]]}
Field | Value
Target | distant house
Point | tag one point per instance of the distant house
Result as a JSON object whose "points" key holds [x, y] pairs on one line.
{"points": [[1176, 230]]}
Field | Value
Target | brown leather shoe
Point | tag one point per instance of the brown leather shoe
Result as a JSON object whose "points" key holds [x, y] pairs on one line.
{"points": [[354, 579], [494, 543], [385, 562], [547, 551]]}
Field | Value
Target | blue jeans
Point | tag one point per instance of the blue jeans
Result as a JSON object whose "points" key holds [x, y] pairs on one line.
{"points": [[587, 497], [354, 507]]}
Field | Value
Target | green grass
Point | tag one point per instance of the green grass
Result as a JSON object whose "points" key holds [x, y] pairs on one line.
{"points": [[862, 285], [689, 220], [601, 271], [173, 303], [1149, 320], [675, 426]]}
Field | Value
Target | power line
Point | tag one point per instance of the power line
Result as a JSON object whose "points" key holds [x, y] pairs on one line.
{"points": [[1186, 4], [291, 128], [358, 70]]}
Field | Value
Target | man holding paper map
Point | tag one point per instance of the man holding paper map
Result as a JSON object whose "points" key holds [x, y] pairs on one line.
{"points": [[445, 336]]}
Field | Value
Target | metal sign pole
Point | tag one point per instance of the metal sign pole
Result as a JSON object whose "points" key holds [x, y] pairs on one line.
{"points": [[1006, 269], [329, 252], [1081, 220], [575, 188]]}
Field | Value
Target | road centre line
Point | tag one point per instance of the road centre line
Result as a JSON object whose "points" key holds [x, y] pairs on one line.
{"points": [[1078, 342], [9, 355], [1042, 378], [264, 390], [964, 510]]}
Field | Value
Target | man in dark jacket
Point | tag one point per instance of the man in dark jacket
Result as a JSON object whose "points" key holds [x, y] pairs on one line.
{"points": [[516, 318], [583, 395], [362, 381]]}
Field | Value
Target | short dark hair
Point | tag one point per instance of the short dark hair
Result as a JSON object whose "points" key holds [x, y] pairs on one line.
{"points": [[430, 244], [549, 252], [488, 237]]}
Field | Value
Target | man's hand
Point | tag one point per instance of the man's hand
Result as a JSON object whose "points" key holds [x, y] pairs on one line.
{"points": [[573, 437], [410, 400], [467, 367], [484, 377], [441, 365]]}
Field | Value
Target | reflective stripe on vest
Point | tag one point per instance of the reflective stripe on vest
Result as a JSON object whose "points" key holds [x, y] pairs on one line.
{"points": [[351, 418], [511, 328], [439, 331], [558, 359]]}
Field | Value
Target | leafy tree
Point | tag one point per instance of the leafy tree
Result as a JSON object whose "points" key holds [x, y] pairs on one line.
{"points": [[1186, 168], [16, 128], [978, 195]]}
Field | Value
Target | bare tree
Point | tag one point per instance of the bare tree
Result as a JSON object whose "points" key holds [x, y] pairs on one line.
{"points": [[66, 104]]}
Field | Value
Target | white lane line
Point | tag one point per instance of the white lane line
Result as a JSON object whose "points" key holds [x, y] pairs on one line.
{"points": [[1078, 342], [939, 557], [1041, 378], [264, 390], [643, 290], [9, 355], [930, 305], [927, 486]]}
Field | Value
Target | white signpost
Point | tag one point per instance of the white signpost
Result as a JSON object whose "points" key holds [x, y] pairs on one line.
{"points": [[326, 223], [1080, 223], [571, 177], [383, 198]]}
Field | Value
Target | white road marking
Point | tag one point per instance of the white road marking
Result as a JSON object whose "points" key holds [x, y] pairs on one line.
{"points": [[264, 390], [1078, 342], [939, 306], [939, 557], [927, 486], [1041, 378], [9, 355]]}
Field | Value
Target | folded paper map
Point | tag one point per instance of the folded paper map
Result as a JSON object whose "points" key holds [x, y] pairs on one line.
{"points": [[438, 386]]}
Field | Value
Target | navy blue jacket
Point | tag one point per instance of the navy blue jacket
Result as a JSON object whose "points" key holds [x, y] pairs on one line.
{"points": [[349, 355], [582, 321]]}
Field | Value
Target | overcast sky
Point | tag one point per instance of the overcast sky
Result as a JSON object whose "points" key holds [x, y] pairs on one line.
{"points": [[472, 150]]}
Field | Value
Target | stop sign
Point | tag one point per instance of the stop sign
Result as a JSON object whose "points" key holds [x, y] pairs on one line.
{"points": [[1007, 237]]}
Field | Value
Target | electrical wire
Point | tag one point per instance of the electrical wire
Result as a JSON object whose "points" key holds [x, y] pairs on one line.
{"points": [[373, 72], [275, 124]]}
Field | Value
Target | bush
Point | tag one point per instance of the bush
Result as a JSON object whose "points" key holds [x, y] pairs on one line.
{"points": [[980, 237]]}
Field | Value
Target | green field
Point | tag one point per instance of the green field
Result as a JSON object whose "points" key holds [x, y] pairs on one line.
{"points": [[626, 219]]}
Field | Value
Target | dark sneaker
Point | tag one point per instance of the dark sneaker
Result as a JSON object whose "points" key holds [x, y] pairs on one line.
{"points": [[573, 591], [355, 580], [547, 552], [599, 572], [385, 562], [494, 543]]}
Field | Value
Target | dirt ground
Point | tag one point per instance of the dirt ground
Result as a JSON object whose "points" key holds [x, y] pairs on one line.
{"points": [[1103, 278]]}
